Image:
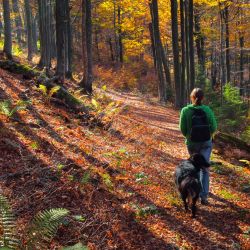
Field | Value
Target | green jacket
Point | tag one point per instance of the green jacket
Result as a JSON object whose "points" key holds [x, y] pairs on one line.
{"points": [[186, 120]]}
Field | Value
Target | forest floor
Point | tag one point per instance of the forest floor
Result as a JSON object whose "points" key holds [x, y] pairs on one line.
{"points": [[117, 179]]}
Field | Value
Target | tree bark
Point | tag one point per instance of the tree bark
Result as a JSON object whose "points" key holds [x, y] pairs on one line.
{"points": [[158, 50], [191, 44], [18, 21], [241, 39], [120, 34], [199, 43], [34, 34], [150, 27], [61, 42], [29, 28], [111, 49], [68, 56], [87, 79], [175, 45], [45, 24], [187, 47], [222, 60], [183, 55], [226, 18], [7, 30]]}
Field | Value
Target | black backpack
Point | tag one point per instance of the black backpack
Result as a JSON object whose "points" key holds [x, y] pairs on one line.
{"points": [[200, 130]]}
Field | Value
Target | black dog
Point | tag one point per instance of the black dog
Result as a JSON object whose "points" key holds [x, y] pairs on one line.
{"points": [[188, 181]]}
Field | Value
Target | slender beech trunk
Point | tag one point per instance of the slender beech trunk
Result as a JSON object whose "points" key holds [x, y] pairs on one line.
{"points": [[187, 48], [7, 49], [97, 44], [111, 49], [68, 51], [1, 26], [199, 43], [158, 50], [191, 44], [150, 27], [120, 34], [183, 54], [226, 18], [222, 58], [241, 40], [18, 21], [29, 28], [45, 30], [34, 34], [60, 39], [174, 19], [87, 79]]}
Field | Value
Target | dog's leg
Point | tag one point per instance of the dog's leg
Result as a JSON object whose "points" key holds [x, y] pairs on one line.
{"points": [[184, 198], [194, 206]]}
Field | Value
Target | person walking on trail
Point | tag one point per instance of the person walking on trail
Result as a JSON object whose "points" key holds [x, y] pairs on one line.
{"points": [[198, 124]]}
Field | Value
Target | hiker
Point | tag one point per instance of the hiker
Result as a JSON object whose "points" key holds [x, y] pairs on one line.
{"points": [[198, 124]]}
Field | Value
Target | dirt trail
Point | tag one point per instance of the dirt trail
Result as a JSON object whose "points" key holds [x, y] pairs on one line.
{"points": [[130, 201]]}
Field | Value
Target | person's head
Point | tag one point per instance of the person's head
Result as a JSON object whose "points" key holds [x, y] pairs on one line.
{"points": [[196, 96]]}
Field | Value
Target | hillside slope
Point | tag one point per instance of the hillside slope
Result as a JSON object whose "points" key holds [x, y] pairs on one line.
{"points": [[119, 179]]}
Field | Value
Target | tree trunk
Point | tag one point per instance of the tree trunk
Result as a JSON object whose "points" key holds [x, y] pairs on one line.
{"points": [[61, 39], [241, 62], [111, 49], [175, 45], [183, 54], [87, 79], [191, 45], [226, 18], [187, 48], [29, 29], [68, 56], [1, 26], [97, 44], [120, 34], [199, 43], [18, 21], [222, 60], [158, 49], [7, 49], [44, 8], [150, 27], [34, 34]]}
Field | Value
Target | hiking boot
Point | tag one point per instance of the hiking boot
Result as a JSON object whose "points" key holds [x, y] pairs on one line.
{"points": [[204, 202]]}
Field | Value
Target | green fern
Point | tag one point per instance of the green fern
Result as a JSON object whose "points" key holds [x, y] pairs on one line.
{"points": [[45, 225], [8, 238], [48, 93], [7, 109]]}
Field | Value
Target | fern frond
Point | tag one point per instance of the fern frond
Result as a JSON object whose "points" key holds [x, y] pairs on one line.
{"points": [[54, 90], [5, 107], [43, 89], [45, 225], [8, 238], [21, 105]]}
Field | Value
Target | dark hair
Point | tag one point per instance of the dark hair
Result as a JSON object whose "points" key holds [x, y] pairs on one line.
{"points": [[196, 96]]}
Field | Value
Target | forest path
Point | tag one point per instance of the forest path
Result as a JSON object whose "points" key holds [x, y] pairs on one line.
{"points": [[120, 179]]}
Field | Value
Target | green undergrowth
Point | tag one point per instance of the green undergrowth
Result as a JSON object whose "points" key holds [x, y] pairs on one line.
{"points": [[16, 49]]}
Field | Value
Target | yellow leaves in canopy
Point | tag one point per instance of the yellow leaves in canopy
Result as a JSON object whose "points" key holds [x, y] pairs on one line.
{"points": [[133, 47]]}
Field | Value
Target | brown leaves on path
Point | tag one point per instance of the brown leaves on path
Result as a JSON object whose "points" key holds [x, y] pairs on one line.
{"points": [[120, 180]]}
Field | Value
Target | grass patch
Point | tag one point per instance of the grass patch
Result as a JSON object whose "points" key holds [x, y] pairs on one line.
{"points": [[174, 200], [220, 169], [143, 212], [227, 195]]}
